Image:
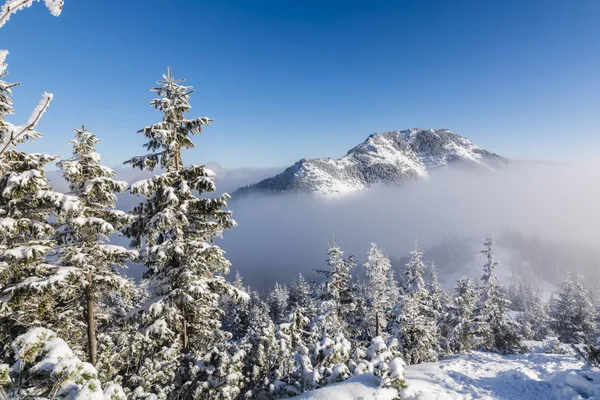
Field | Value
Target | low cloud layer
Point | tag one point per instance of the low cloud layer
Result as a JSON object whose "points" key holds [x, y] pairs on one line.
{"points": [[281, 235], [278, 236]]}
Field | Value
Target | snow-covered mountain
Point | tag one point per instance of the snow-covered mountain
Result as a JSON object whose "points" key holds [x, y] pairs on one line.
{"points": [[384, 158]]}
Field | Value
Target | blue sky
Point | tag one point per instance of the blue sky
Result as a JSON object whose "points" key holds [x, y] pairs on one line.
{"points": [[301, 78]]}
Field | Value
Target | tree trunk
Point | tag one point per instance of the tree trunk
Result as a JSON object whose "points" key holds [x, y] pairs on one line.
{"points": [[377, 324], [91, 321]]}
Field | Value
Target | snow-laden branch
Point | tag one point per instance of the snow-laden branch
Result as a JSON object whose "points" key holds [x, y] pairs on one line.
{"points": [[3, 66], [19, 132], [12, 6]]}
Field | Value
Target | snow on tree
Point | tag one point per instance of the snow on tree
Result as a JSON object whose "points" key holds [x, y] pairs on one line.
{"points": [[176, 226], [438, 296], [496, 331], [380, 359], [45, 367], [302, 296], [85, 251], [261, 351], [415, 319], [236, 318], [534, 320], [381, 290], [27, 202], [458, 331], [331, 355], [573, 314], [295, 339], [216, 375], [337, 292], [12, 6], [278, 303]]}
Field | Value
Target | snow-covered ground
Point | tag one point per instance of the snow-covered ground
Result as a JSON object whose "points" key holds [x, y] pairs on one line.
{"points": [[485, 376]]}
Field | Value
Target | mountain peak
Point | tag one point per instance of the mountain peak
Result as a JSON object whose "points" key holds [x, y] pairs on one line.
{"points": [[383, 158]]}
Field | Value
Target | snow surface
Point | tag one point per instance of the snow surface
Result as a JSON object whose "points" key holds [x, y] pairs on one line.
{"points": [[360, 387], [478, 375]]}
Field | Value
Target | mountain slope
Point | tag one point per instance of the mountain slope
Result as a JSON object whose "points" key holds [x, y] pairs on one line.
{"points": [[388, 158]]}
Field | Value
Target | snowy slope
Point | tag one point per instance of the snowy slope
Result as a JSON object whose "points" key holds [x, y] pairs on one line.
{"points": [[484, 376], [361, 387], [383, 158]]}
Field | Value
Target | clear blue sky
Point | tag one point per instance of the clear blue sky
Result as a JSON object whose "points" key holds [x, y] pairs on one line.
{"points": [[302, 78]]}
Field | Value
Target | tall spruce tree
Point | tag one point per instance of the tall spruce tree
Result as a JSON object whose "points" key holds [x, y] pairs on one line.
{"points": [[534, 320], [496, 331], [415, 319], [458, 330], [336, 292], [381, 290], [278, 301], [572, 313], [27, 203], [84, 243], [175, 227]]}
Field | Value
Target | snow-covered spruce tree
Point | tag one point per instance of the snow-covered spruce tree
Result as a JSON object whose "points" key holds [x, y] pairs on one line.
{"points": [[381, 291], [337, 297], [380, 360], [92, 261], [330, 358], [439, 297], [572, 313], [26, 237], [278, 303], [45, 367], [294, 338], [416, 326], [534, 320], [302, 296], [261, 349], [496, 331], [458, 332], [175, 227], [236, 318]]}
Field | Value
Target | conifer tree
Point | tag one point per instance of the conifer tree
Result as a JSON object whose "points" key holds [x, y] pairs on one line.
{"points": [[84, 243], [415, 318], [496, 331], [337, 291], [381, 291], [175, 227], [236, 318], [534, 320], [261, 350], [572, 313], [278, 303], [438, 296], [458, 330], [27, 202], [302, 296]]}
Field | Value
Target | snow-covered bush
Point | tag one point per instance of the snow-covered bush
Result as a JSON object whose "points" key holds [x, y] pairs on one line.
{"points": [[45, 367]]}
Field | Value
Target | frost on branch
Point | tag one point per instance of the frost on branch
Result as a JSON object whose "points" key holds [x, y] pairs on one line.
{"points": [[12, 6]]}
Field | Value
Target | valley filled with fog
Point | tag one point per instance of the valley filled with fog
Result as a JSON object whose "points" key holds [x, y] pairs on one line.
{"points": [[544, 216]]}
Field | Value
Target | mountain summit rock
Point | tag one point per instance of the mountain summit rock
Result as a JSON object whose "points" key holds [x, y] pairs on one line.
{"points": [[384, 158]]}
